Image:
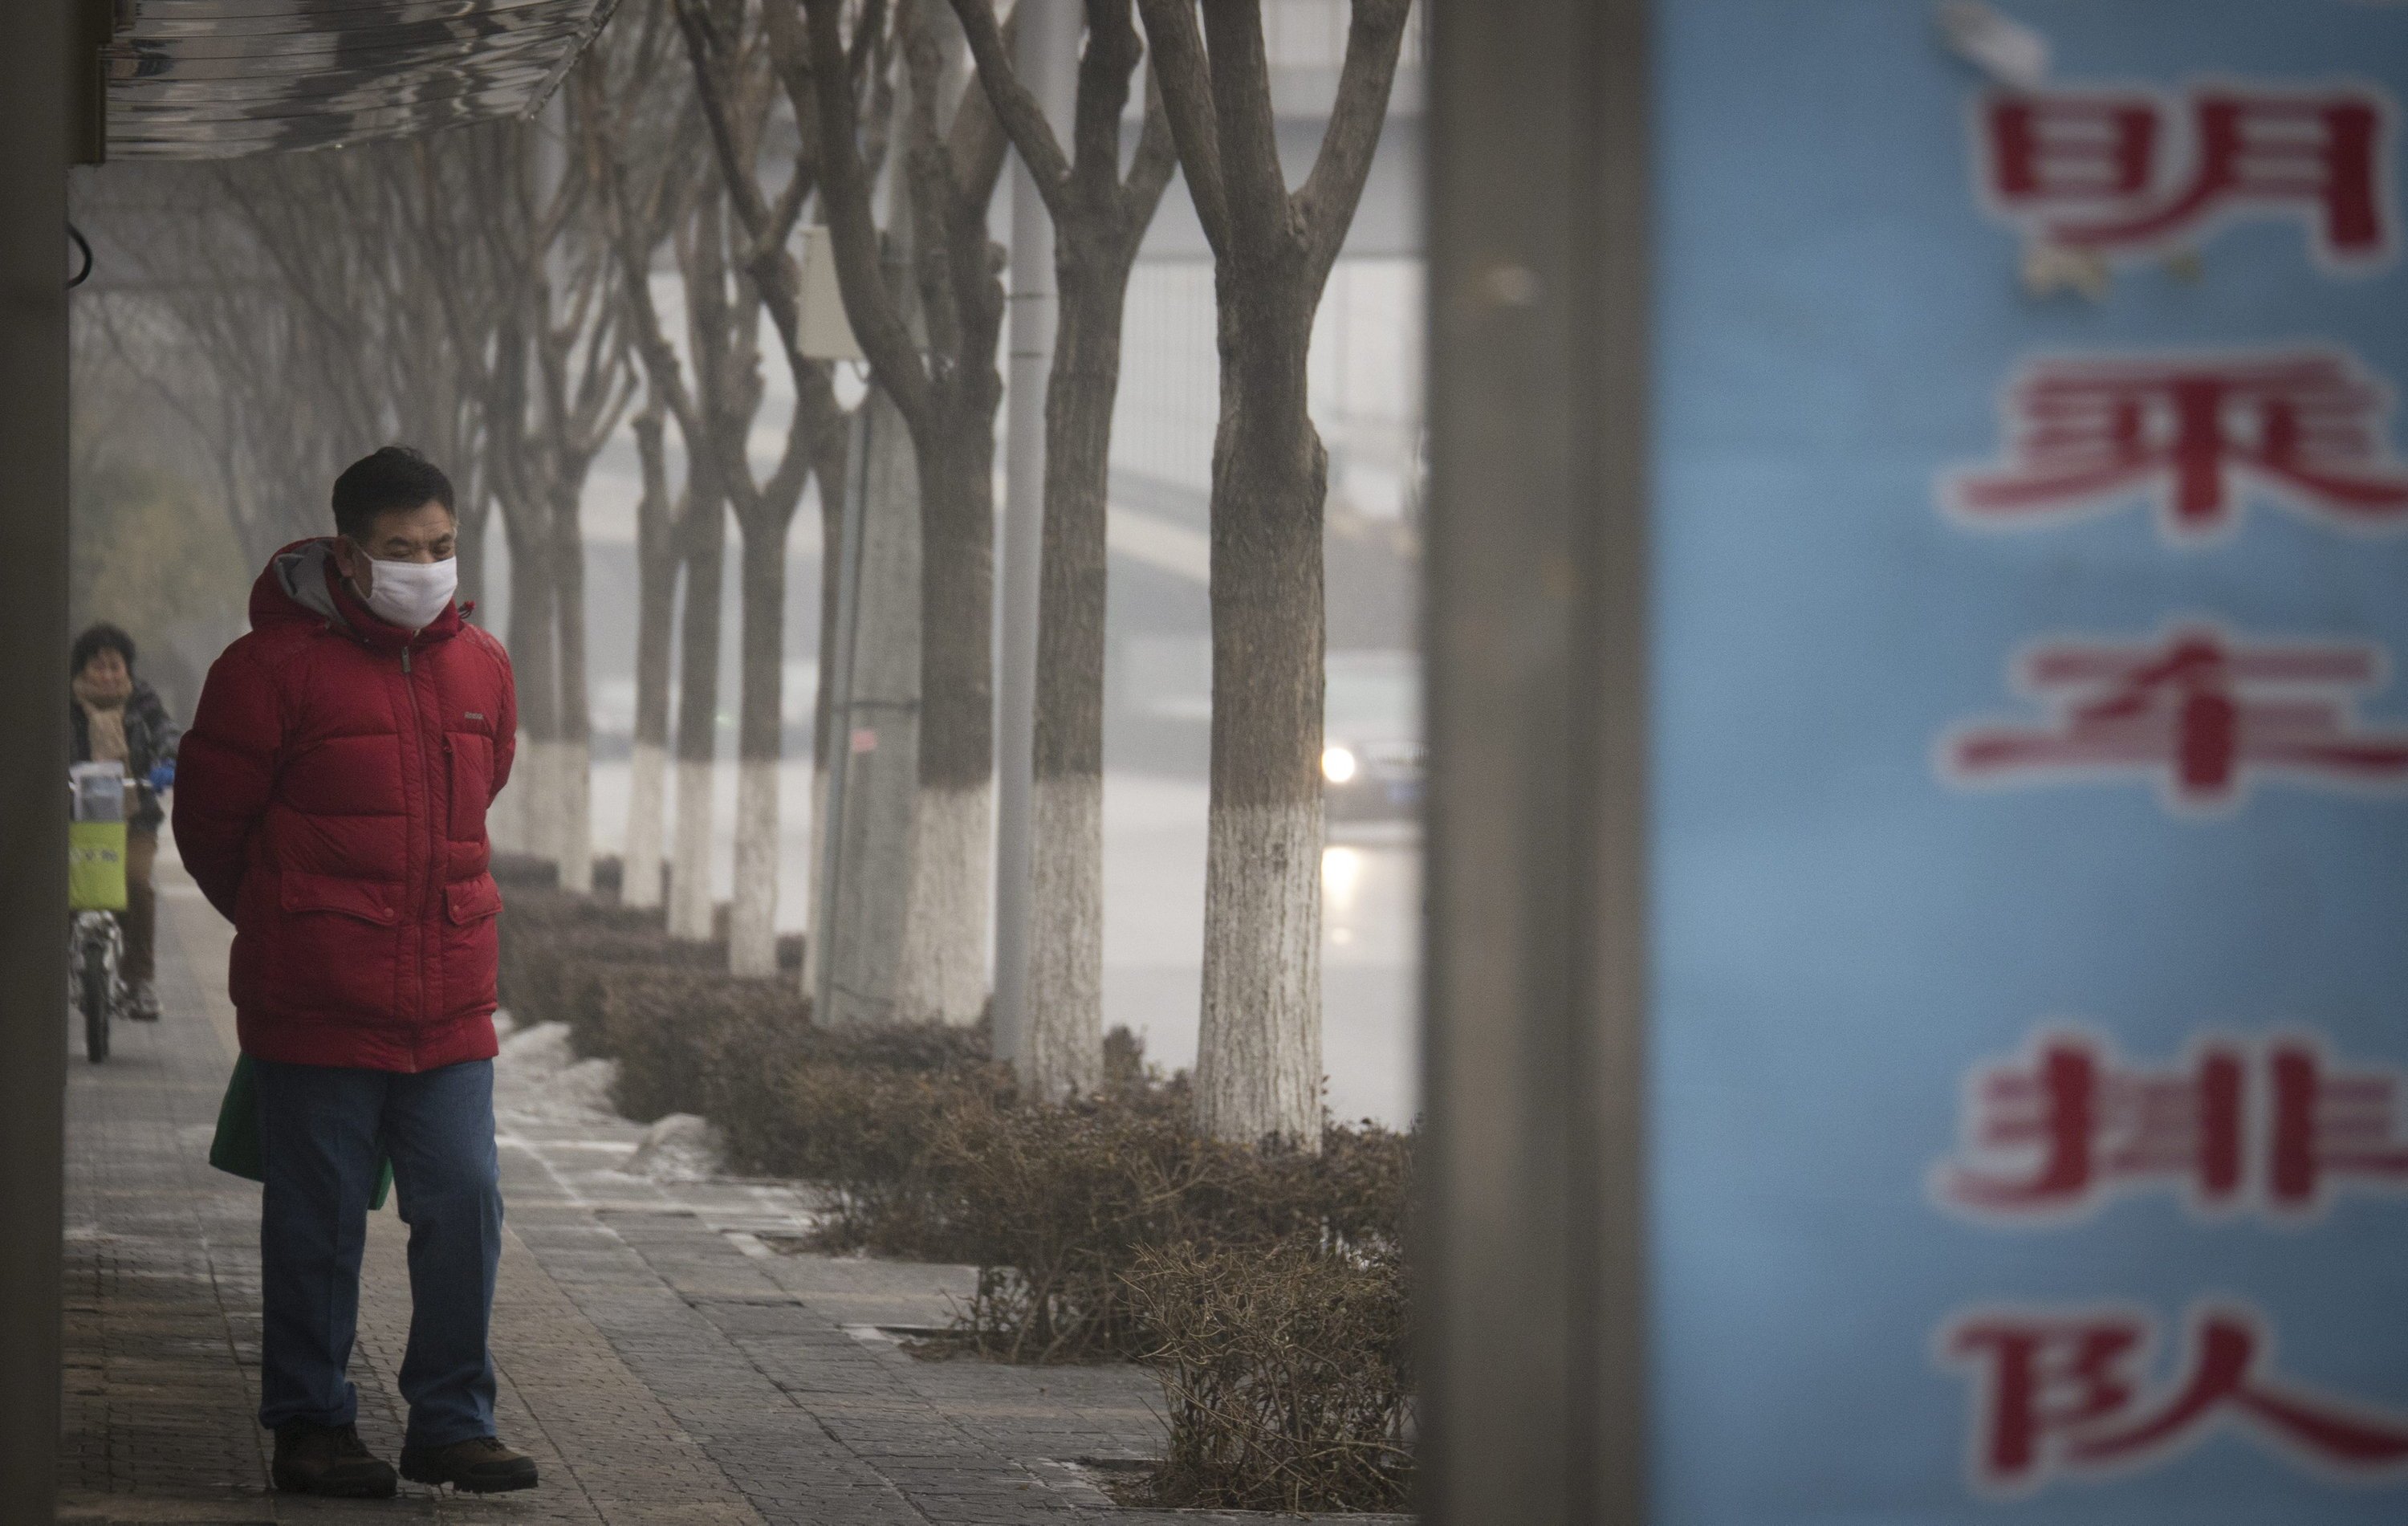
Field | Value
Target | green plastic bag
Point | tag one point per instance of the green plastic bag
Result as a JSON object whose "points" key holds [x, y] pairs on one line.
{"points": [[96, 865], [234, 1149]]}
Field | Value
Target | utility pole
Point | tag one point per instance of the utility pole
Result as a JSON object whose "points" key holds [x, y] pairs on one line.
{"points": [[1045, 58]]}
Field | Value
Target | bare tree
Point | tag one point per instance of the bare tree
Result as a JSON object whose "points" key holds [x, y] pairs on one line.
{"points": [[722, 338], [528, 301], [656, 564], [737, 69], [704, 527], [1258, 1050], [299, 287], [1099, 218], [560, 383], [640, 212], [447, 293], [644, 152], [948, 399]]}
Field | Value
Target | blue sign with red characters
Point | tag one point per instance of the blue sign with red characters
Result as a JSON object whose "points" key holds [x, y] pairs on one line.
{"points": [[2029, 1088]]}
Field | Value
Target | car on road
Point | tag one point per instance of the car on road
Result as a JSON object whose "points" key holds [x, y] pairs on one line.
{"points": [[1372, 758]]}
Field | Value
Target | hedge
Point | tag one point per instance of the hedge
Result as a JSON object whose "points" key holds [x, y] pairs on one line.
{"points": [[1264, 1286]]}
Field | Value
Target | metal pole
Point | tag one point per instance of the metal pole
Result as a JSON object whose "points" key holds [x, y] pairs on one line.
{"points": [[840, 711], [1532, 1265], [1047, 46], [34, 73]]}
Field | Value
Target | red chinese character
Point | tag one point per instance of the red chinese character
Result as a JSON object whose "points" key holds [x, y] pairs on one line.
{"points": [[2054, 1134], [2197, 711], [2329, 1125], [2089, 170], [2306, 427], [2060, 1396]]}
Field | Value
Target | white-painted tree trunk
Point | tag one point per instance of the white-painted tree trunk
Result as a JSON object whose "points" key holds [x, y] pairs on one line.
{"points": [[1258, 1050], [752, 919], [1062, 1039], [506, 823], [639, 878], [537, 770], [812, 912], [945, 931], [573, 789], [690, 899]]}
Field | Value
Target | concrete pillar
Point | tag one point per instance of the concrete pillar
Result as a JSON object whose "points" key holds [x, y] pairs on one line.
{"points": [[34, 73], [1531, 1268], [874, 715]]}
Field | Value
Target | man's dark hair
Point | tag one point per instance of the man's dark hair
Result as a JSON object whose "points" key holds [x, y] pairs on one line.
{"points": [[98, 638], [395, 477]]}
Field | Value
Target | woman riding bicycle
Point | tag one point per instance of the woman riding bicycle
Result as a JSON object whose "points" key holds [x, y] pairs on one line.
{"points": [[114, 717]]}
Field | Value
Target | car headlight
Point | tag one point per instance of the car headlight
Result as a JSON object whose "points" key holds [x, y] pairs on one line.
{"points": [[1337, 765]]}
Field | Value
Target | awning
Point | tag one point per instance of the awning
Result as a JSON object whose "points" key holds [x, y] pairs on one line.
{"points": [[217, 79]]}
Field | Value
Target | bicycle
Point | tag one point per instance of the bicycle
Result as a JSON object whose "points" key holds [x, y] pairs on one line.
{"points": [[95, 891]]}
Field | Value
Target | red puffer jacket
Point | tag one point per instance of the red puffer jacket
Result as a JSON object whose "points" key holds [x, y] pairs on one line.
{"points": [[331, 801]]}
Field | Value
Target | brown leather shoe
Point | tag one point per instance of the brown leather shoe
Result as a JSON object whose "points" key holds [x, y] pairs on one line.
{"points": [[330, 1460], [480, 1466]]}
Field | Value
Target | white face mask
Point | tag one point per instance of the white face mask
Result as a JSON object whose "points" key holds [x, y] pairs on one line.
{"points": [[412, 593]]}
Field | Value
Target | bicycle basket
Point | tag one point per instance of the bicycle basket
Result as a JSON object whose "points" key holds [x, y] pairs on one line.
{"points": [[96, 865]]}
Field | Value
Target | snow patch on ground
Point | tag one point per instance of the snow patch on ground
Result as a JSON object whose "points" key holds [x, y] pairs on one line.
{"points": [[680, 1147], [537, 1079], [539, 1083]]}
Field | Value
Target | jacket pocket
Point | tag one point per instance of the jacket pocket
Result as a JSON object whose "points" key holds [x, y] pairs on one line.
{"points": [[370, 900], [471, 758], [472, 900]]}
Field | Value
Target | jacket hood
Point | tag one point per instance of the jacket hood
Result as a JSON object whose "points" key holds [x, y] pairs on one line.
{"points": [[300, 583], [295, 586]]}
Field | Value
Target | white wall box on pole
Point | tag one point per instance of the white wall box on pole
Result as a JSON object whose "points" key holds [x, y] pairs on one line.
{"points": [[827, 333]]}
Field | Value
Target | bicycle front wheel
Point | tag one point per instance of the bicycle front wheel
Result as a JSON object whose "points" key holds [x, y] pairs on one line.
{"points": [[95, 1002]]}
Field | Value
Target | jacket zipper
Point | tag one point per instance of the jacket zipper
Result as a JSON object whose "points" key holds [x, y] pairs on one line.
{"points": [[418, 729]]}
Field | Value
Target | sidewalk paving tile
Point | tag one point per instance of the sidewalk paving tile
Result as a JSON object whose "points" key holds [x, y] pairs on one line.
{"points": [[659, 1356]]}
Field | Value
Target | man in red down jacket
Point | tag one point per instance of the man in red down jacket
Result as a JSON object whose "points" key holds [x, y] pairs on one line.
{"points": [[331, 803]]}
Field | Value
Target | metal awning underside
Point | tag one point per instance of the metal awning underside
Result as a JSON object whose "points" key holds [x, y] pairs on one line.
{"points": [[217, 79]]}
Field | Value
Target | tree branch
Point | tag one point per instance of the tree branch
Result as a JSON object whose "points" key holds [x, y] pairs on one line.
{"points": [[1252, 187], [1180, 72], [765, 258], [853, 234], [975, 142], [1113, 53], [1015, 108], [1326, 203], [1156, 156]]}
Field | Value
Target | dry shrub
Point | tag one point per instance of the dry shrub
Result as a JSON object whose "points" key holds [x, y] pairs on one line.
{"points": [[1055, 1205], [517, 872], [863, 1133], [745, 1054], [1266, 1285], [558, 950], [1127, 1078], [562, 954], [687, 1039], [1287, 1373], [1052, 1205]]}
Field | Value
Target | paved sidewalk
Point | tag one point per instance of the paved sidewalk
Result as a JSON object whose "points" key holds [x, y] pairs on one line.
{"points": [[659, 1359]]}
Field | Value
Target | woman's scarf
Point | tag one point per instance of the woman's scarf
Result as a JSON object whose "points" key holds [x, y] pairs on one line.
{"points": [[103, 712]]}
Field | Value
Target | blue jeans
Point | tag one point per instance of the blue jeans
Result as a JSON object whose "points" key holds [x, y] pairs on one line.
{"points": [[321, 1130]]}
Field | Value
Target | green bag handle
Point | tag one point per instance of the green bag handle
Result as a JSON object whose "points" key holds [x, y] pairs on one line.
{"points": [[236, 1149]]}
